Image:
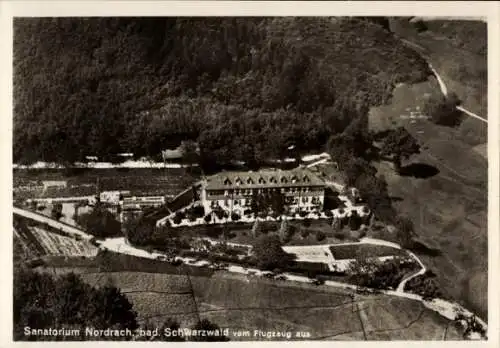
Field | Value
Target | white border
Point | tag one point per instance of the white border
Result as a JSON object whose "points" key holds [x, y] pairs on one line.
{"points": [[481, 9]]}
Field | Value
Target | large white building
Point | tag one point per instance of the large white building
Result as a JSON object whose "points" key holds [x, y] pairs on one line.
{"points": [[234, 191]]}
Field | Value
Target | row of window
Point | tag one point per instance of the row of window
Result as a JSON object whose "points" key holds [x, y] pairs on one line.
{"points": [[288, 200], [262, 181], [248, 192]]}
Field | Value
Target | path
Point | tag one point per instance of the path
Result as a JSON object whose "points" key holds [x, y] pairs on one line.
{"points": [[52, 223], [440, 81], [447, 309]]}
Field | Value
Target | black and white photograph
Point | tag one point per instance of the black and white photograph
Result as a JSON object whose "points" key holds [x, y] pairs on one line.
{"points": [[223, 178]]}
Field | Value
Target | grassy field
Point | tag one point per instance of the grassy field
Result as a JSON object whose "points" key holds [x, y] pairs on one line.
{"points": [[457, 50], [444, 192], [346, 252], [241, 303]]}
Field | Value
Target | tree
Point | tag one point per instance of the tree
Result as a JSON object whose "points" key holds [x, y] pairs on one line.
{"points": [[42, 301], [256, 229], [399, 144], [209, 332], [269, 254], [235, 216], [320, 236], [100, 223], [354, 220], [56, 211], [405, 231], [277, 202], [336, 224], [355, 168], [375, 193], [443, 110], [284, 230]]}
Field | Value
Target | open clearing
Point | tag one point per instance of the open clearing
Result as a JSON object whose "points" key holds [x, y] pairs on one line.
{"points": [[444, 192], [241, 303]]}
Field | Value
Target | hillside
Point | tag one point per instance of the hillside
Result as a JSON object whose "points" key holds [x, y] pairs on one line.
{"points": [[458, 51], [244, 88]]}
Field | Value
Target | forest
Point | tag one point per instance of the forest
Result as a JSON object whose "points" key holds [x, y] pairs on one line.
{"points": [[245, 89]]}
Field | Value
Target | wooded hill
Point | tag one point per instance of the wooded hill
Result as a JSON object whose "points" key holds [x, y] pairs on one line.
{"points": [[244, 88]]}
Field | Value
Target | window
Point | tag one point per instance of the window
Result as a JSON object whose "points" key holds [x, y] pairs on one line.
{"points": [[261, 180], [283, 180], [273, 180], [250, 181], [306, 179], [305, 199], [236, 202], [238, 181], [227, 181]]}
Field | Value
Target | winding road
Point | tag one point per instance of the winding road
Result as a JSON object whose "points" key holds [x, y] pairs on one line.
{"points": [[447, 309], [439, 79]]}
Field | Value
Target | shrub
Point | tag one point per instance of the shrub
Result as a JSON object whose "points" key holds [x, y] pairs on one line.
{"points": [[208, 218], [304, 233], [340, 235], [302, 213], [177, 219], [56, 212], [424, 285], [320, 236], [197, 211], [235, 216], [219, 213], [269, 254]]}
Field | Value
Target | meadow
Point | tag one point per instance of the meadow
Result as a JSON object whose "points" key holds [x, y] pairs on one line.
{"points": [[241, 303], [444, 192]]}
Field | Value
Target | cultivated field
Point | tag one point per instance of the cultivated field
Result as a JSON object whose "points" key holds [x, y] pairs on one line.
{"points": [[242, 303], [55, 244], [82, 182]]}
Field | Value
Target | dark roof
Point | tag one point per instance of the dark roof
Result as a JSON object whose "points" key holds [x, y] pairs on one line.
{"points": [[263, 179]]}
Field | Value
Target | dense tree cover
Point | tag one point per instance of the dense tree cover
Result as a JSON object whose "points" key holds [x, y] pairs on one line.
{"points": [[373, 273], [443, 110], [399, 145], [41, 301], [243, 88], [100, 222], [269, 254], [424, 285], [143, 232]]}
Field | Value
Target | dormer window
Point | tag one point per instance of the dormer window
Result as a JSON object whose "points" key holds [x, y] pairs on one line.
{"points": [[273, 180], [238, 181], [284, 180], [261, 180], [227, 181], [294, 179], [249, 181], [306, 179]]}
